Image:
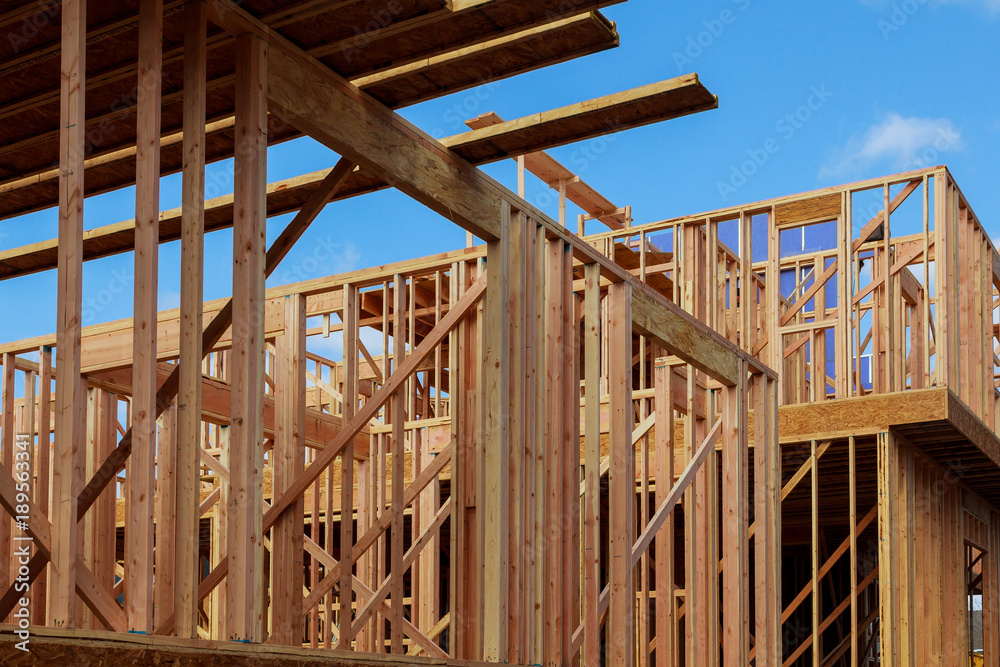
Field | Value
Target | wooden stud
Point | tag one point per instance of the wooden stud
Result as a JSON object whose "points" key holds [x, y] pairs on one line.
{"points": [[191, 352], [554, 452], [43, 472], [735, 520], [592, 464], [666, 607], [398, 408], [165, 500], [496, 435], [817, 645], [344, 642], [622, 612], [141, 469], [767, 503], [246, 543], [288, 462], [68, 457], [7, 453]]}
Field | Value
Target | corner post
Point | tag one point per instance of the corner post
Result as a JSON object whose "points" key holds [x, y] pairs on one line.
{"points": [[496, 441]]}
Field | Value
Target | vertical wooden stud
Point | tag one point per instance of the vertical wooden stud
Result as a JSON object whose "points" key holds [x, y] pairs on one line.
{"points": [[246, 543], [288, 462], [68, 459], [622, 494], [192, 280]]}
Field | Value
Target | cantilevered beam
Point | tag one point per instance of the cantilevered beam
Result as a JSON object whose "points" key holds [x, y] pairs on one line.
{"points": [[653, 103], [559, 30], [555, 175], [509, 139], [335, 112]]}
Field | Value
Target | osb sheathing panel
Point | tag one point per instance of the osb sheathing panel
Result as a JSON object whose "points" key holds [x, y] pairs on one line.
{"points": [[817, 208], [973, 428], [860, 416]]}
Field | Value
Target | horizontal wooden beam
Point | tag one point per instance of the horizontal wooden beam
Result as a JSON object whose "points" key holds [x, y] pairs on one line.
{"points": [[640, 106], [66, 647], [576, 122]]}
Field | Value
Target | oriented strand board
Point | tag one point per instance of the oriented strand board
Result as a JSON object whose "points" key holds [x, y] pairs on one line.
{"points": [[805, 210], [860, 416]]}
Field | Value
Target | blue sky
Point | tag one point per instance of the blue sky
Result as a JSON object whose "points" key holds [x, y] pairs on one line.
{"points": [[834, 91]]}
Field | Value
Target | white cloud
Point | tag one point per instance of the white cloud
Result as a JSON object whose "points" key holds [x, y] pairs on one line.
{"points": [[904, 143]]}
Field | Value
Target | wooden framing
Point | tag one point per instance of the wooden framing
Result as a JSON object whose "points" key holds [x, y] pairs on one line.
{"points": [[289, 462], [189, 398], [436, 488], [141, 469], [68, 455], [621, 624], [246, 538]]}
